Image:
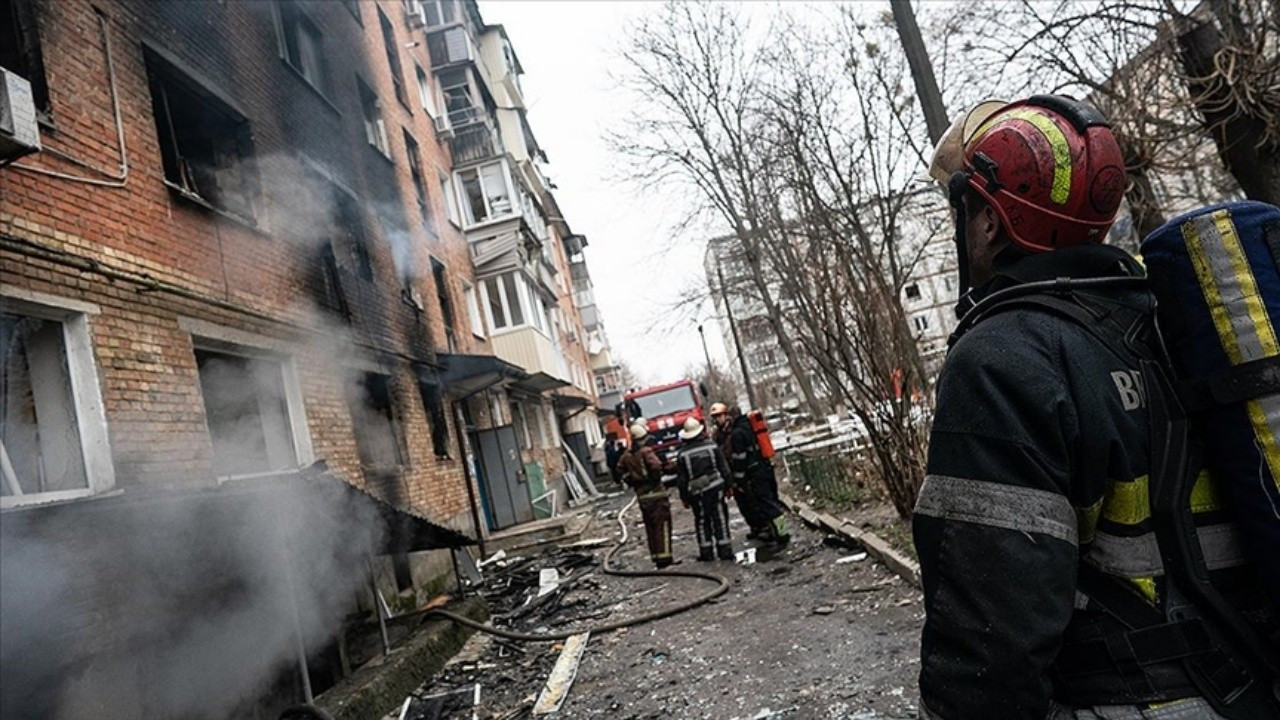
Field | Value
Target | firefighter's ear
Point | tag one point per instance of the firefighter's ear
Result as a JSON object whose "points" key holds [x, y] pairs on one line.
{"points": [[989, 222]]}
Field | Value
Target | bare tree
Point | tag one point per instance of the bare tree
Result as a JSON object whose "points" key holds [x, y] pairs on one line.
{"points": [[804, 145]]}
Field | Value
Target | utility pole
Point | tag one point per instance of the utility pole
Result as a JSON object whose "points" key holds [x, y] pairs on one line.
{"points": [[935, 112], [737, 341]]}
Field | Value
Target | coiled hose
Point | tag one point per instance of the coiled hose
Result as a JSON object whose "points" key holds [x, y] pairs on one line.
{"points": [[722, 587]]}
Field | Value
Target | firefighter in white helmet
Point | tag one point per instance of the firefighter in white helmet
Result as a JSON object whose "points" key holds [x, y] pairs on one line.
{"points": [[703, 475]]}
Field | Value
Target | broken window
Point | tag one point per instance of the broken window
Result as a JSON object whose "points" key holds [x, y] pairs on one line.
{"points": [[349, 232], [445, 301], [393, 58], [486, 193], [20, 47], [40, 447], [204, 143], [301, 44], [375, 130], [246, 411], [450, 200], [473, 310], [419, 180], [329, 293], [459, 103], [374, 422], [433, 401]]}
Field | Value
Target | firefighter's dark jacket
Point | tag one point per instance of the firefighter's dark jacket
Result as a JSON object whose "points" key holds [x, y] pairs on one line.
{"points": [[700, 458], [743, 450], [1036, 466]]}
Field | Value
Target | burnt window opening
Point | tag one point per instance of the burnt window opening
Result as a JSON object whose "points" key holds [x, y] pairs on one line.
{"points": [[375, 129], [20, 47], [445, 301], [349, 232], [329, 290], [419, 180], [38, 412], [302, 45], [393, 58], [373, 421], [205, 144], [433, 401], [247, 413]]}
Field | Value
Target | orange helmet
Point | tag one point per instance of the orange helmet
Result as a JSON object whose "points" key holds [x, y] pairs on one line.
{"points": [[1051, 169]]}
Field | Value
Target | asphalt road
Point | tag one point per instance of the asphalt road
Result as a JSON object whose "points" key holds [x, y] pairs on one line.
{"points": [[798, 636]]}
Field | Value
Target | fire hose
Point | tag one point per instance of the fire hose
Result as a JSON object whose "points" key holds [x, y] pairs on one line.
{"points": [[722, 587]]}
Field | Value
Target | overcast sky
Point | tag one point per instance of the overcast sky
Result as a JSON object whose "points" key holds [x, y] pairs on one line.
{"points": [[568, 50]]}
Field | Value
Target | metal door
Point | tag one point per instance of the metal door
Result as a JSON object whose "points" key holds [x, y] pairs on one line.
{"points": [[505, 492]]}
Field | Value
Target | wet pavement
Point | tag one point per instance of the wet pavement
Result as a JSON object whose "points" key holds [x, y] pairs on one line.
{"points": [[799, 635]]}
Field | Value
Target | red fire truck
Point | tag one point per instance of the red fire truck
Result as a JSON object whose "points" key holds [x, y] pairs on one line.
{"points": [[665, 408]]}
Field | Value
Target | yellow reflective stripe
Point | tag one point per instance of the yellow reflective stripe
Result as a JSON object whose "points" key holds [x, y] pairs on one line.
{"points": [[1088, 519], [1204, 494], [1147, 587], [1245, 339], [1061, 189], [1129, 503]]}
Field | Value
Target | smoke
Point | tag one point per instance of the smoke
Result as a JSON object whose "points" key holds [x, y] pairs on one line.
{"points": [[190, 602]]}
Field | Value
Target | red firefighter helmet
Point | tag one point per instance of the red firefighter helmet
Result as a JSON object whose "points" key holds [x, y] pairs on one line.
{"points": [[1051, 169]]}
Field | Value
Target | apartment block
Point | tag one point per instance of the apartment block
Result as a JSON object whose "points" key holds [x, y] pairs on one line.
{"points": [[266, 245]]}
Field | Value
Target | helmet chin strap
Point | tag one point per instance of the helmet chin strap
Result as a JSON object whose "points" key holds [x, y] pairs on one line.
{"points": [[956, 189]]}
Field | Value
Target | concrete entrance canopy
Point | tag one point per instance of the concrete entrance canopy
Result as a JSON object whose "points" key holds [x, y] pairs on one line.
{"points": [[465, 375]]}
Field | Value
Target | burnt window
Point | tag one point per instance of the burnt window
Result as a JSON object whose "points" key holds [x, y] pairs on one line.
{"points": [[393, 58], [445, 301], [329, 291], [20, 47], [374, 422], [301, 44], [349, 232], [419, 181], [375, 129], [204, 143], [246, 412], [433, 401]]}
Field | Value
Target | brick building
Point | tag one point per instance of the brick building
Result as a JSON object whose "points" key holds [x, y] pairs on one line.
{"points": [[258, 239]]}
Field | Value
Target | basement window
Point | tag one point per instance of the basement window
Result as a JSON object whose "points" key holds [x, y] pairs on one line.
{"points": [[375, 130], [246, 409], [204, 143], [53, 440], [20, 47], [374, 422], [301, 45]]}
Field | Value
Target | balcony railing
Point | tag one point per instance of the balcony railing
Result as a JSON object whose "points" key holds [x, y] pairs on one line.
{"points": [[474, 142], [450, 46]]}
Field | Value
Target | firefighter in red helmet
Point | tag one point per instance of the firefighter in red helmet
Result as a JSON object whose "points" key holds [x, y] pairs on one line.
{"points": [[1045, 590]]}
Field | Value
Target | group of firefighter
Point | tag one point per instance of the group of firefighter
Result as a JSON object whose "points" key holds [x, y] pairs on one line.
{"points": [[710, 466]]}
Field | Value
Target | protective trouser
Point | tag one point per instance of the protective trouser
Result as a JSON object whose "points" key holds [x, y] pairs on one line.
{"points": [[711, 523], [762, 487], [655, 510]]}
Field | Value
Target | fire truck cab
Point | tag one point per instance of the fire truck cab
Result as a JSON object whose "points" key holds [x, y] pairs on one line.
{"points": [[665, 408]]}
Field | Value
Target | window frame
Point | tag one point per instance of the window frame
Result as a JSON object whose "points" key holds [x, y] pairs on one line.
{"points": [[450, 200], [391, 49], [468, 219], [85, 390], [302, 22], [426, 90], [378, 124], [26, 32], [413, 152], [473, 309], [361, 372]]}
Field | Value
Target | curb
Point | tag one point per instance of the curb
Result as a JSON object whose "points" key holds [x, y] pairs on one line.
{"points": [[903, 566]]}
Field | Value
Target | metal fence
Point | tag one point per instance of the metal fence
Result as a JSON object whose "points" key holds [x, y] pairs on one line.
{"points": [[831, 475]]}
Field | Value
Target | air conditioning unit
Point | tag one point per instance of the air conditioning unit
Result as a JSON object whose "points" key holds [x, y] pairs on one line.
{"points": [[416, 21], [19, 132], [443, 129]]}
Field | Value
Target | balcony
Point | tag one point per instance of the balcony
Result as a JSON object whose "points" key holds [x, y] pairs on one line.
{"points": [[532, 352], [450, 46], [474, 142]]}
